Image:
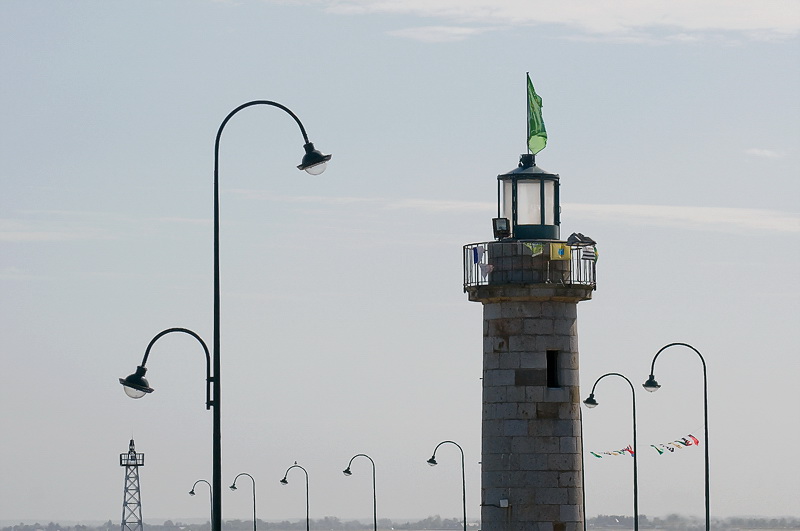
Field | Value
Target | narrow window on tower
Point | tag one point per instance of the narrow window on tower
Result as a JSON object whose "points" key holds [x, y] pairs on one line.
{"points": [[552, 369]]}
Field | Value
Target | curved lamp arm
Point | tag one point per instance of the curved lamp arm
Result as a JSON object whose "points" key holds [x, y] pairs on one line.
{"points": [[651, 384], [192, 493], [591, 395], [233, 485], [312, 157], [136, 385], [347, 472], [590, 402], [432, 462]]}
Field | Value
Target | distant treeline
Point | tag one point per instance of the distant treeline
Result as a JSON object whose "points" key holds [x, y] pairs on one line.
{"points": [[328, 523], [675, 522], [672, 522]]}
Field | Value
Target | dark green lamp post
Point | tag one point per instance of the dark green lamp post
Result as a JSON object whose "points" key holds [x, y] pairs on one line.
{"points": [[210, 494], [136, 386], [591, 402], [432, 462], [348, 473], [651, 385], [253, 480], [285, 481]]}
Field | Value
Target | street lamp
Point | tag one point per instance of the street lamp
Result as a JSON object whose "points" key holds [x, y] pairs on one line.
{"points": [[210, 495], [590, 403], [432, 462], [652, 385], [313, 162], [285, 481], [347, 472], [233, 487]]}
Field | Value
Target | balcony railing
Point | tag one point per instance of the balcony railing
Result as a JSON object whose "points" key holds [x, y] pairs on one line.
{"points": [[131, 459], [529, 262]]}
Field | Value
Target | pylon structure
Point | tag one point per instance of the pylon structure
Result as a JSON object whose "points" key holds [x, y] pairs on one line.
{"points": [[132, 501]]}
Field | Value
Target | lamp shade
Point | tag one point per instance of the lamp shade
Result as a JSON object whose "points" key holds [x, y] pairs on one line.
{"points": [[136, 385], [651, 384], [314, 161]]}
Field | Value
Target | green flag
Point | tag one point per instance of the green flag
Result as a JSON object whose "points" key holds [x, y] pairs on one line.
{"points": [[537, 136]]}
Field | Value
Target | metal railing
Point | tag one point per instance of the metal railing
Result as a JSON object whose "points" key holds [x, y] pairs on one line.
{"points": [[529, 262]]}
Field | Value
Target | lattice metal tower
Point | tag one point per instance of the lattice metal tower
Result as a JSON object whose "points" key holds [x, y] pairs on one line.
{"points": [[132, 502]]}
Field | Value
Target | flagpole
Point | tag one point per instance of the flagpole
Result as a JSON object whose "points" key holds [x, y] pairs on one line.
{"points": [[527, 116]]}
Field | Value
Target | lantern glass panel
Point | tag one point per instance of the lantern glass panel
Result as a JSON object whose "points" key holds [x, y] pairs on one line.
{"points": [[505, 207], [529, 203], [549, 203]]}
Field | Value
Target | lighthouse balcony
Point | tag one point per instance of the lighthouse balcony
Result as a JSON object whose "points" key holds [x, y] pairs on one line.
{"points": [[529, 262]]}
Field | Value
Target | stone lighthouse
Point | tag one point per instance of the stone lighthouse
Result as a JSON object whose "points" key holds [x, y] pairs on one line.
{"points": [[530, 283]]}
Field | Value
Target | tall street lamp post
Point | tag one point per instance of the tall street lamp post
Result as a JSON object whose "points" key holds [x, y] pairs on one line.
{"points": [[652, 385], [432, 462], [285, 481], [210, 495], [313, 162], [347, 472], [590, 402], [233, 487]]}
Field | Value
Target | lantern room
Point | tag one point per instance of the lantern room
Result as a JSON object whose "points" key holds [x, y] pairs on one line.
{"points": [[528, 205]]}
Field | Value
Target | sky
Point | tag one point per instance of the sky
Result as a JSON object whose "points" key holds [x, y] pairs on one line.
{"points": [[345, 329]]}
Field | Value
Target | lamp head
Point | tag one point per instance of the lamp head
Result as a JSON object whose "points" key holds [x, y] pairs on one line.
{"points": [[651, 384], [283, 481], [314, 161], [136, 385], [501, 228], [191, 492], [347, 472], [432, 461], [233, 487], [590, 402]]}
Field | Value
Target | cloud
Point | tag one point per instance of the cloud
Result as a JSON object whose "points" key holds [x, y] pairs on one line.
{"points": [[15, 273], [432, 205], [438, 33], [722, 219], [268, 196], [691, 218], [763, 153], [14, 230], [184, 221], [753, 20]]}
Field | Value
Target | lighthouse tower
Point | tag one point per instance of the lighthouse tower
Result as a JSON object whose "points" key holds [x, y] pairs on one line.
{"points": [[132, 501], [530, 283]]}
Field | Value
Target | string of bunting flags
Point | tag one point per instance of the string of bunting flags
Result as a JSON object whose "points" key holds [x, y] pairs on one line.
{"points": [[677, 444]]}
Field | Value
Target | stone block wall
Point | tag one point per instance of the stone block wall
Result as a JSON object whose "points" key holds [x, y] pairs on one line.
{"points": [[531, 442]]}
